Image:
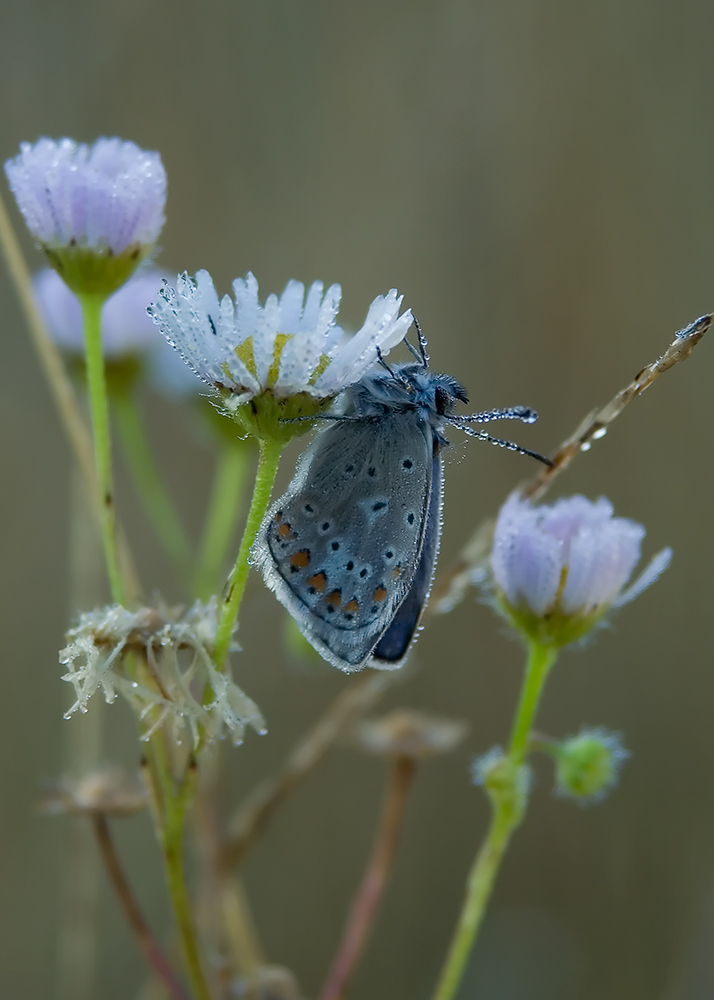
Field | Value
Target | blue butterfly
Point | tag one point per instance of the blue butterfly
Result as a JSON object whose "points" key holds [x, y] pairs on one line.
{"points": [[350, 549]]}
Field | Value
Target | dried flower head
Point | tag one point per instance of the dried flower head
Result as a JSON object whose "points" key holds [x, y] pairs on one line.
{"points": [[559, 568], [160, 660], [588, 765], [109, 790], [287, 353], [407, 733], [95, 210]]}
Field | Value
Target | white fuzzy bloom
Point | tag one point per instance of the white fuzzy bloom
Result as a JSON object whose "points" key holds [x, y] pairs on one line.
{"points": [[573, 557], [108, 196], [288, 345], [178, 651]]}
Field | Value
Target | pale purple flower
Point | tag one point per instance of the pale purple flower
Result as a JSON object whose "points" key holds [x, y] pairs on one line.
{"points": [[289, 345], [108, 196], [572, 557], [126, 328]]}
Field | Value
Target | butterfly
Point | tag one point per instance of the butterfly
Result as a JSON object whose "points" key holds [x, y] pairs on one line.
{"points": [[350, 549]]}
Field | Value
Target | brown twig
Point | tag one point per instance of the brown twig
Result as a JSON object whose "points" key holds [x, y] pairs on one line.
{"points": [[451, 587], [145, 939], [369, 894], [251, 817]]}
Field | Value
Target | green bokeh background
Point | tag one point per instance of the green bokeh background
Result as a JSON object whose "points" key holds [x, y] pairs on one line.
{"points": [[536, 176]]}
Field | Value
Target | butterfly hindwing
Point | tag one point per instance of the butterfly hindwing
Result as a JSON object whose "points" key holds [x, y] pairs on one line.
{"points": [[341, 547], [392, 648]]}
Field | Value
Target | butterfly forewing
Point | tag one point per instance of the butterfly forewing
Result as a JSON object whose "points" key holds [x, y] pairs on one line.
{"points": [[341, 546]]}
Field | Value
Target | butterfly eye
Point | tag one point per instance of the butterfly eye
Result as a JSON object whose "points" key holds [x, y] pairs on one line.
{"points": [[441, 400]]}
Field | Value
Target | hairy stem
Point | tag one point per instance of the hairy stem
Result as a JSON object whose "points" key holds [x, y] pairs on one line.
{"points": [[145, 939], [369, 894], [99, 408], [268, 459], [503, 822], [222, 515]]}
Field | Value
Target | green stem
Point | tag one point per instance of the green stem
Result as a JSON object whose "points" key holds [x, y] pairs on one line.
{"points": [[268, 458], [222, 515], [503, 822], [99, 408], [154, 495], [540, 660], [171, 799]]}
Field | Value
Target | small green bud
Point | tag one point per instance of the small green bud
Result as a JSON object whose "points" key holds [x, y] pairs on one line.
{"points": [[588, 765], [507, 784]]}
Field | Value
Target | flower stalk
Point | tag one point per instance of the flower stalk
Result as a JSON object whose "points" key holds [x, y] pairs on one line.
{"points": [[508, 805], [269, 454], [171, 799], [99, 408]]}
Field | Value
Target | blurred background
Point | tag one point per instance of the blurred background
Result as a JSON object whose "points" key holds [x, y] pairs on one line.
{"points": [[536, 177]]}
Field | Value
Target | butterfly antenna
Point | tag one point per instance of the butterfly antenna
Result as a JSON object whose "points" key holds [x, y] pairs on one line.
{"points": [[397, 376], [509, 445], [415, 353], [422, 342], [524, 413]]}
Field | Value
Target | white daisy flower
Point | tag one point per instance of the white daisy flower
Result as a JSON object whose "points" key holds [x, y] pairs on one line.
{"points": [[286, 346]]}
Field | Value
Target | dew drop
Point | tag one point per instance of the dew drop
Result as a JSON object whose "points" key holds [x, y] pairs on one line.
{"points": [[586, 446], [600, 433]]}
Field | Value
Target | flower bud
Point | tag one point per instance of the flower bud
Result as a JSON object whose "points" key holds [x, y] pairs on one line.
{"points": [[588, 765]]}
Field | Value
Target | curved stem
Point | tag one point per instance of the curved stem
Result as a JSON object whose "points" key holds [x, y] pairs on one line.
{"points": [[268, 459], [503, 822], [222, 515], [369, 894], [150, 487], [148, 944], [99, 408]]}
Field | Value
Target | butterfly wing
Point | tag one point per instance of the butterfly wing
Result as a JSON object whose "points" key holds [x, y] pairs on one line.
{"points": [[390, 651], [341, 548]]}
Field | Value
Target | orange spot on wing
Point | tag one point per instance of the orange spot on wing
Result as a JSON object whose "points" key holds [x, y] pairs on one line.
{"points": [[335, 598], [379, 594], [318, 581], [396, 572], [352, 606], [300, 559], [285, 531]]}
